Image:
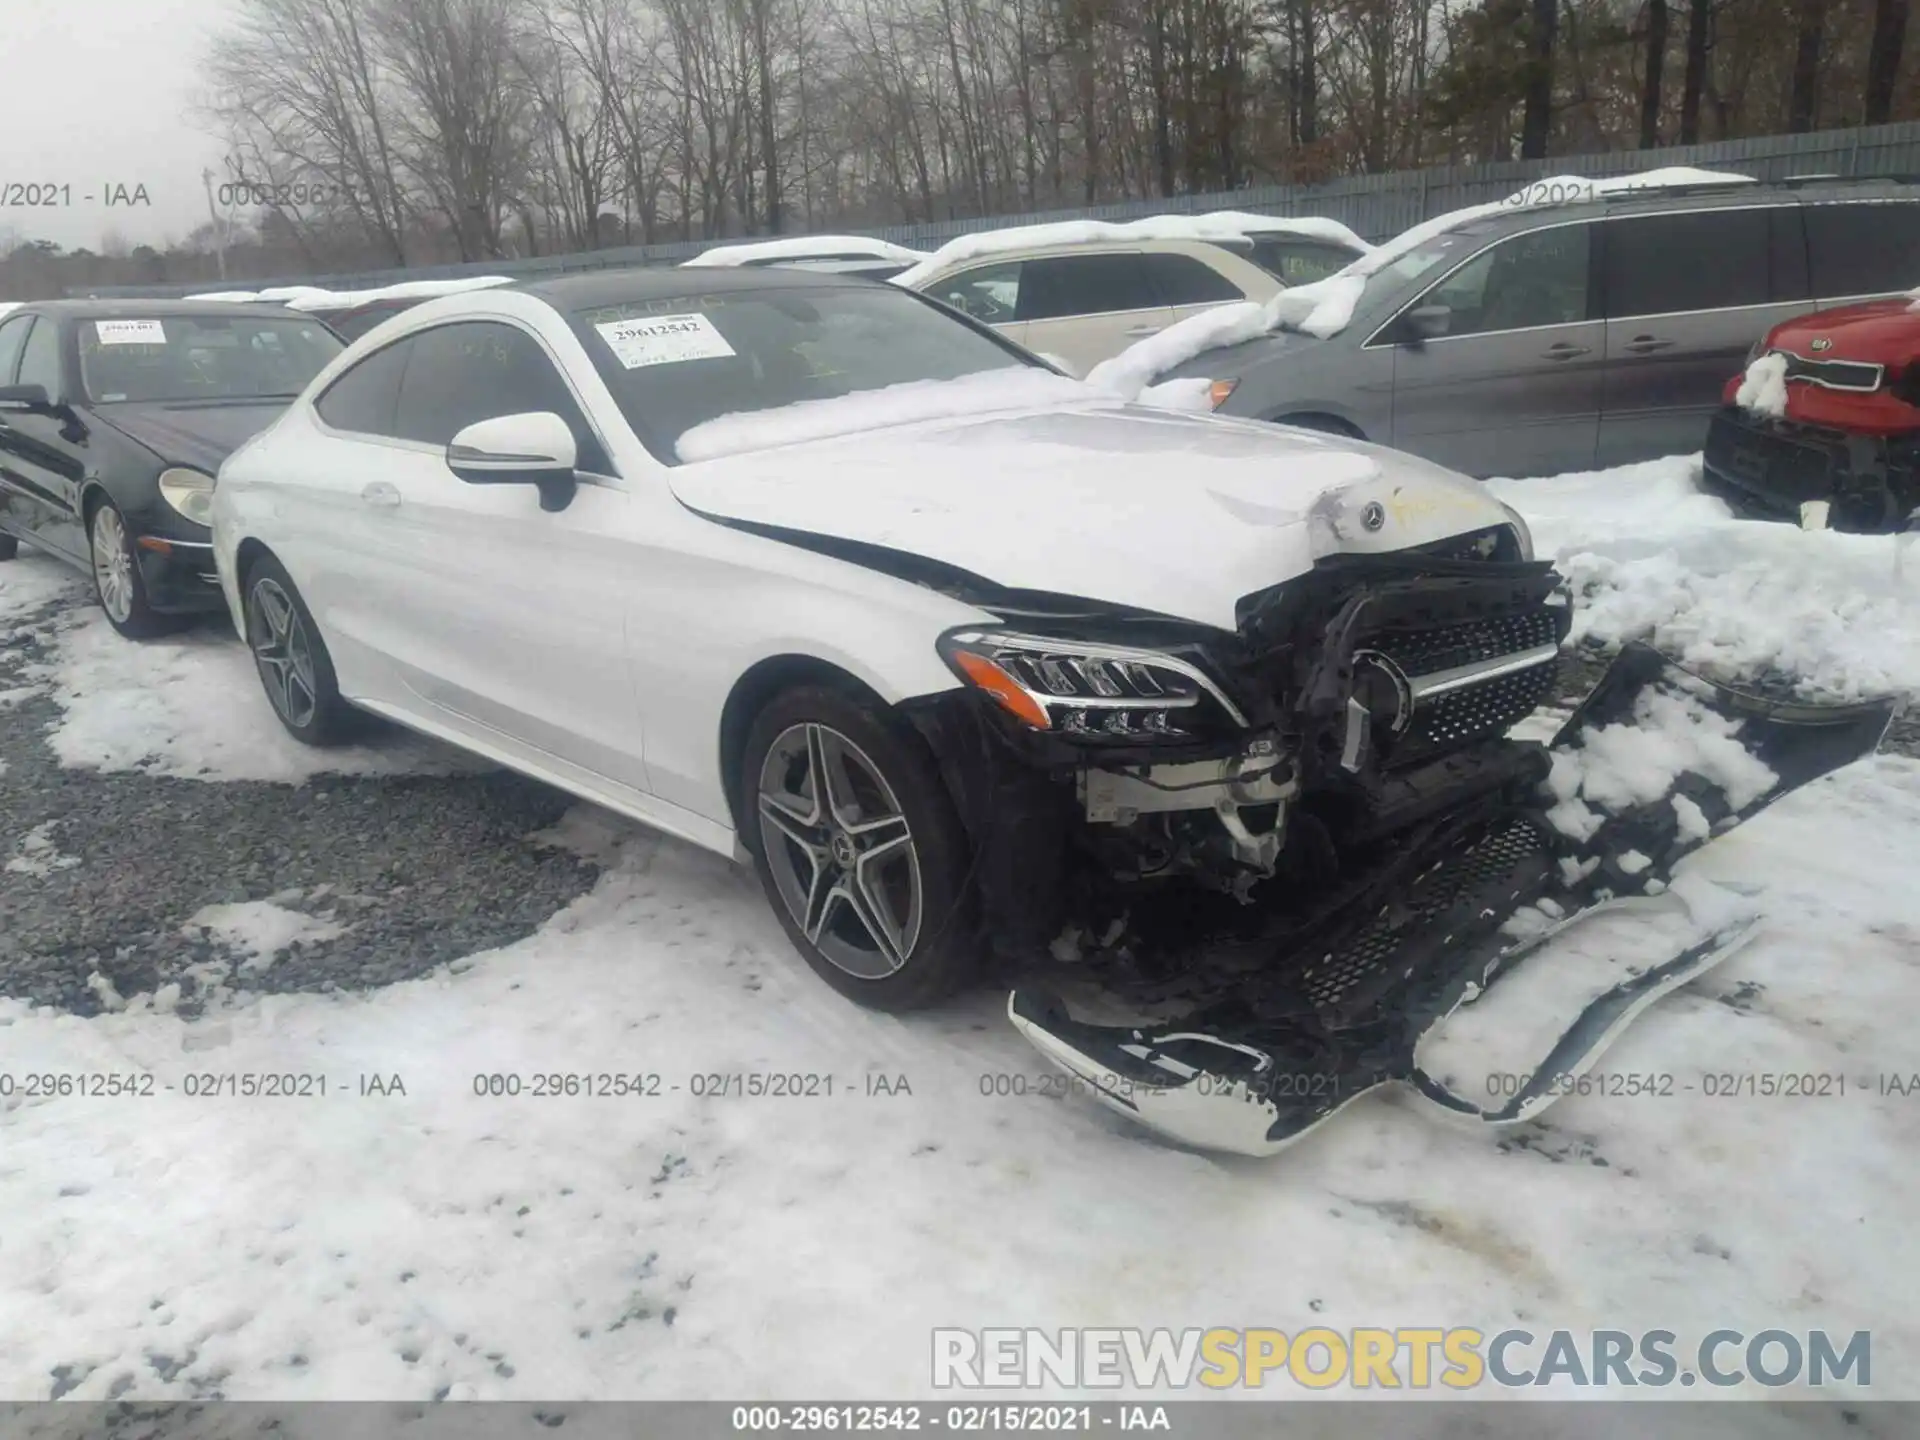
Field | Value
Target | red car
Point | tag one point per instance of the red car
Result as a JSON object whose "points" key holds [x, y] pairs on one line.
{"points": [[1850, 434]]}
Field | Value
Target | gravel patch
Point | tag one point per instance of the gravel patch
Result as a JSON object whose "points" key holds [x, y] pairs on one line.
{"points": [[374, 879]]}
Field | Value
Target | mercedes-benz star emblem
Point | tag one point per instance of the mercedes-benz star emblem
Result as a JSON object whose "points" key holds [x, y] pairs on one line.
{"points": [[1374, 516]]}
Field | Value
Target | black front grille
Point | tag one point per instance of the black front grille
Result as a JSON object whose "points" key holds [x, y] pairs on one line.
{"points": [[1424, 652], [1779, 468], [1481, 710], [1834, 374]]}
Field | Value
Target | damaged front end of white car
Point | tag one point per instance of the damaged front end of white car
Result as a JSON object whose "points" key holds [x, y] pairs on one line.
{"points": [[1306, 859]]}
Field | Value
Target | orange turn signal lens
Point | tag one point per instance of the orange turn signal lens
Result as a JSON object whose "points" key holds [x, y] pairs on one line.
{"points": [[1003, 688], [1218, 392]]}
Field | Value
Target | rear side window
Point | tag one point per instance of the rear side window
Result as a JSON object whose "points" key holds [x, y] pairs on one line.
{"points": [[477, 370], [1085, 285], [13, 335], [1706, 260], [1864, 249], [1183, 280], [363, 399]]}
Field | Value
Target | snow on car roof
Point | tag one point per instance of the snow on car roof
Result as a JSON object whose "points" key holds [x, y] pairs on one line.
{"points": [[313, 297], [1325, 307], [806, 247], [6, 305], [1219, 225]]}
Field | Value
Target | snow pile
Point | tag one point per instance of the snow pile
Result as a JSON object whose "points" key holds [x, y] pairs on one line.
{"points": [[260, 930], [1324, 308], [6, 305], [1219, 225], [313, 297], [1763, 389], [39, 857], [804, 247], [1188, 394], [984, 393], [1623, 766], [1650, 557]]}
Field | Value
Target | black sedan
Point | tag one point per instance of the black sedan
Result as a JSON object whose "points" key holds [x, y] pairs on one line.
{"points": [[114, 418]]}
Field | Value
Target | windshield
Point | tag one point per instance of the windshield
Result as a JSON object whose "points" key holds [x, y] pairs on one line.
{"points": [[1412, 264], [201, 357], [676, 362]]}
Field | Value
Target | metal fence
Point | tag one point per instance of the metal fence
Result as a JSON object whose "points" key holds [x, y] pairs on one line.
{"points": [[1377, 206]]}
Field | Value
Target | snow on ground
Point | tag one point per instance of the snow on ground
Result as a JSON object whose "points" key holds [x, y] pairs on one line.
{"points": [[804, 247], [428, 1237], [1218, 225], [1652, 558], [261, 929], [188, 704]]}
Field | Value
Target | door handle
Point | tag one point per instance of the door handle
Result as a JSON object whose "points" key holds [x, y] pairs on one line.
{"points": [[1140, 332], [1646, 345], [1565, 351], [381, 495]]}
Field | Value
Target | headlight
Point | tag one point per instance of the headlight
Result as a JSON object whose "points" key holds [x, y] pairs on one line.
{"points": [[190, 493], [1088, 691]]}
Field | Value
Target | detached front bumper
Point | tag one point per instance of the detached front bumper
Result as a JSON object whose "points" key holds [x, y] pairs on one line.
{"points": [[1771, 468]]}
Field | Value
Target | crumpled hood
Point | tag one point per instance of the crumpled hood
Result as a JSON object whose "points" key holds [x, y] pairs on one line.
{"points": [[1178, 514], [192, 435]]}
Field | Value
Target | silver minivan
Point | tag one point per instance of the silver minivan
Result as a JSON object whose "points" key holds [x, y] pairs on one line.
{"points": [[1577, 336]]}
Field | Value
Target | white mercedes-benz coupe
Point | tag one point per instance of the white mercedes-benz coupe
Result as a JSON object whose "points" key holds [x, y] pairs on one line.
{"points": [[821, 575]]}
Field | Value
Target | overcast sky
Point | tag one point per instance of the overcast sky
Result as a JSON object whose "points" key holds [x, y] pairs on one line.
{"points": [[97, 93]]}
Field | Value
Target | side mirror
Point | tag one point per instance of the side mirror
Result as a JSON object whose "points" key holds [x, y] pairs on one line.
{"points": [[25, 397], [536, 448], [1429, 322]]}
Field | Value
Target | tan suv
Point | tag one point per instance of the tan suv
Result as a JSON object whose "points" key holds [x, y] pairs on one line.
{"points": [[1084, 303]]}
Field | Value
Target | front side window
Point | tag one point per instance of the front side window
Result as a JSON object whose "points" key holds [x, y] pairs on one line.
{"points": [[1539, 278], [178, 358], [13, 336], [1864, 248], [40, 360], [1069, 285], [990, 294], [1705, 260], [476, 370], [674, 362]]}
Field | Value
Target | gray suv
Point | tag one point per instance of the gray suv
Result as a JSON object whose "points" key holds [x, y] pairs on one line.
{"points": [[1578, 336]]}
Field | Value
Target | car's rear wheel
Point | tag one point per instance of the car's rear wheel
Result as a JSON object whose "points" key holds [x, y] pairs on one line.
{"points": [[117, 582], [858, 848], [295, 669]]}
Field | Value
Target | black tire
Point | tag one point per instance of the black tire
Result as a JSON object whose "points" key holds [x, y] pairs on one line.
{"points": [[1324, 424], [291, 658], [117, 582], [9, 546], [884, 768]]}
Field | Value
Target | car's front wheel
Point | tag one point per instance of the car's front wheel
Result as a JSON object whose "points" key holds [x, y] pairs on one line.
{"points": [[295, 669], [858, 848], [117, 581]]}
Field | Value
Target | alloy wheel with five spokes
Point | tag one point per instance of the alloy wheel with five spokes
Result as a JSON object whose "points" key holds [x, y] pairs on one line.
{"points": [[282, 652]]}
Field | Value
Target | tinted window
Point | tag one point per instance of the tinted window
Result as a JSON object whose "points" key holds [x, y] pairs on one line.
{"points": [[1863, 249], [40, 360], [1085, 285], [479, 369], [1300, 262], [363, 399], [1539, 278], [744, 351], [350, 325], [990, 294], [13, 334], [1708, 260], [201, 357], [1183, 280]]}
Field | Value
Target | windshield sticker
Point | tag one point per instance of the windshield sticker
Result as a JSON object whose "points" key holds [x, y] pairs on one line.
{"points": [[130, 332], [664, 340]]}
